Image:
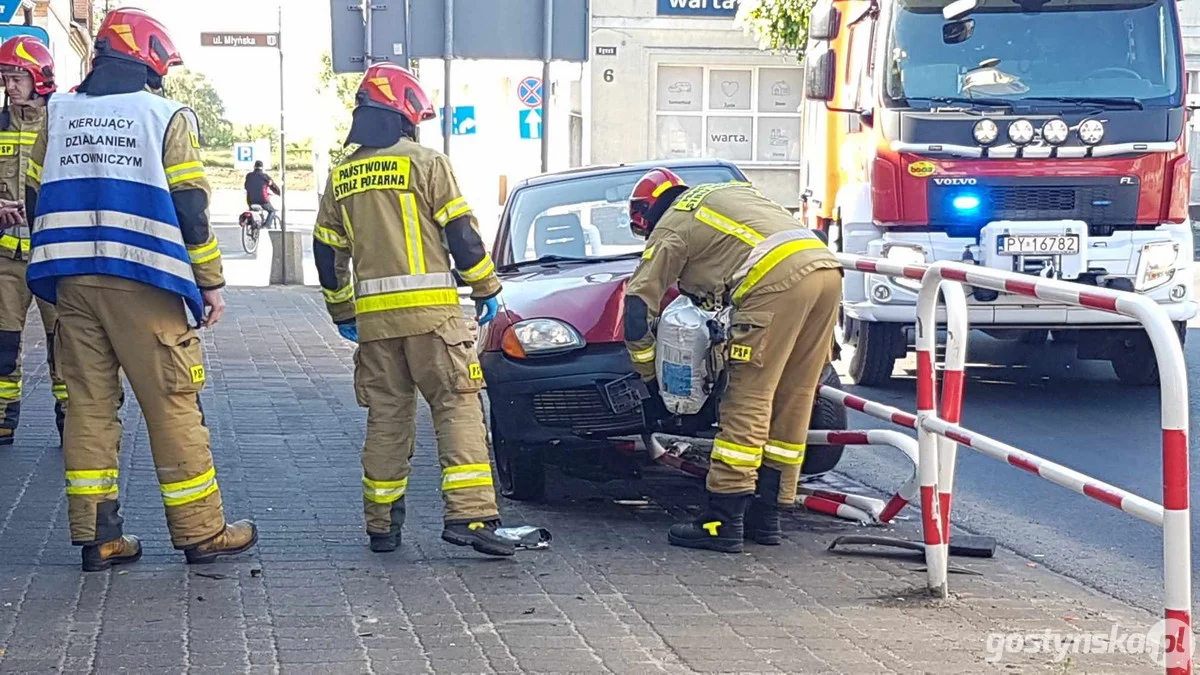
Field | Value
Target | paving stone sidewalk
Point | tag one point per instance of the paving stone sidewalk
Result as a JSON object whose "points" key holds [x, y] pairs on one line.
{"points": [[609, 597]]}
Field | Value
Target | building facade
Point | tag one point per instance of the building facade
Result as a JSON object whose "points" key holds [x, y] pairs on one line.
{"points": [[677, 78]]}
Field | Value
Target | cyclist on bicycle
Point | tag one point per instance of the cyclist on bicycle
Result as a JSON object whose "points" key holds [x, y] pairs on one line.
{"points": [[257, 185]]}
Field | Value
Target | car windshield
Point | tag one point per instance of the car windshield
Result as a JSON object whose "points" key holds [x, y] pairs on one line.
{"points": [[587, 217], [1095, 49]]}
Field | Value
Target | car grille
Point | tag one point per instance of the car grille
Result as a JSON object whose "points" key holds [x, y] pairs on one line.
{"points": [[582, 410], [1102, 203]]}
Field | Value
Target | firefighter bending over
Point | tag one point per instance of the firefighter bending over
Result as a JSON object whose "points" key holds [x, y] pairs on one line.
{"points": [[393, 211], [728, 244]]}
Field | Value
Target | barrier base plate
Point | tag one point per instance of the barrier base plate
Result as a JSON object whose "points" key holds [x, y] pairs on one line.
{"points": [[963, 546]]}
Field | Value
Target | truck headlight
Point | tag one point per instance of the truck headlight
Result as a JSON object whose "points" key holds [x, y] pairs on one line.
{"points": [[1156, 265], [905, 254], [539, 337]]}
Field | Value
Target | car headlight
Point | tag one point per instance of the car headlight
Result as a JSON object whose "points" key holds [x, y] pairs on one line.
{"points": [[986, 132], [1020, 132], [1055, 132], [1091, 132], [538, 337], [1156, 265], [905, 254]]}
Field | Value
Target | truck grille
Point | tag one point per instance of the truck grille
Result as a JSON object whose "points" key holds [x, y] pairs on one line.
{"points": [[1101, 203], [581, 410]]}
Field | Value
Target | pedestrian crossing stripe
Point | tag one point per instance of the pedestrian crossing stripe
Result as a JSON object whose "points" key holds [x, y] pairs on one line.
{"points": [[197, 374], [740, 352], [475, 371]]}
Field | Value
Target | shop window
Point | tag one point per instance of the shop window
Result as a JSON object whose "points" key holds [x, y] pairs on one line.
{"points": [[736, 113]]}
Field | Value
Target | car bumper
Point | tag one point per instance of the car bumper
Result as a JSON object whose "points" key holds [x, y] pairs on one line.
{"points": [[554, 399]]}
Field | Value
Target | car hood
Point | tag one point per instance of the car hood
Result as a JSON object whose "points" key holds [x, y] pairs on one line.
{"points": [[589, 297]]}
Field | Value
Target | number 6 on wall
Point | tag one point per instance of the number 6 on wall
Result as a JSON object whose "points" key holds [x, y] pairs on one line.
{"points": [[608, 75]]}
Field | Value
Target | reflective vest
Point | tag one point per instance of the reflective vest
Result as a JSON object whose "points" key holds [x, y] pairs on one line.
{"points": [[104, 206]]}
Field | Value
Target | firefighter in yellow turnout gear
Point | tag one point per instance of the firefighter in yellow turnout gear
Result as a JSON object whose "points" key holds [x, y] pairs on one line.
{"points": [[727, 244], [393, 211], [122, 244], [28, 71]]}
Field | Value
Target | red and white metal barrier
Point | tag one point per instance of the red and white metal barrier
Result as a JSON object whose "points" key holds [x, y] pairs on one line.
{"points": [[860, 508], [1173, 515]]}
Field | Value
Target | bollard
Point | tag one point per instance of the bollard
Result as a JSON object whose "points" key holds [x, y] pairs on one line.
{"points": [[291, 245]]}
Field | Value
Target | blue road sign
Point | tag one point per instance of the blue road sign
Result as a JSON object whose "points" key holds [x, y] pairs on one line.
{"points": [[245, 152], [10, 31], [531, 124], [464, 120], [8, 9], [530, 92]]}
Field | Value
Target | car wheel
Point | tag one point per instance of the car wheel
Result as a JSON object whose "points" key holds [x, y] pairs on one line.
{"points": [[522, 470], [875, 353], [826, 416]]}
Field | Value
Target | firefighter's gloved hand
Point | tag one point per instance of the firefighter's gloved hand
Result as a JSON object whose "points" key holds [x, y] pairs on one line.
{"points": [[349, 331], [486, 310]]}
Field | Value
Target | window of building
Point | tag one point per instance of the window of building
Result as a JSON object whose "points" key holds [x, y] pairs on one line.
{"points": [[742, 114]]}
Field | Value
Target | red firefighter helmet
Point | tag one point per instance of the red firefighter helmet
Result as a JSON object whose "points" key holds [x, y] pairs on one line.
{"points": [[390, 87], [133, 35], [28, 54], [646, 194]]}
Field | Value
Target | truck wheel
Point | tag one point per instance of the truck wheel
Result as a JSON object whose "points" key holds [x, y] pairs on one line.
{"points": [[1135, 362], [522, 470], [876, 352], [826, 416]]}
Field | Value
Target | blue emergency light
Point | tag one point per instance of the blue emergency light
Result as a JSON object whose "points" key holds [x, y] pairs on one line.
{"points": [[966, 204]]}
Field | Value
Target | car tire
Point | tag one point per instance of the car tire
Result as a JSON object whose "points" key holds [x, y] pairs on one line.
{"points": [[875, 352], [1135, 362], [522, 470], [826, 416]]}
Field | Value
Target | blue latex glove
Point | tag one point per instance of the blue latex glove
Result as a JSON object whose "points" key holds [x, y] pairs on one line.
{"points": [[349, 331], [485, 310]]}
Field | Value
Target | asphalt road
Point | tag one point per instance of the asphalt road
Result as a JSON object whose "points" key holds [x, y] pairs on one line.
{"points": [[1045, 401]]}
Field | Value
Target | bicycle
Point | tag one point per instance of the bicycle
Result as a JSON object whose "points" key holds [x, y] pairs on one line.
{"points": [[253, 222]]}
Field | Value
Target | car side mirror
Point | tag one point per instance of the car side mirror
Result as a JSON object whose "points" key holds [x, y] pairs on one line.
{"points": [[825, 22], [957, 32], [820, 80]]}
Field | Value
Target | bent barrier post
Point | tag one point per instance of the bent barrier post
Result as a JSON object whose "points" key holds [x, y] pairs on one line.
{"points": [[1173, 515], [940, 434], [866, 510]]}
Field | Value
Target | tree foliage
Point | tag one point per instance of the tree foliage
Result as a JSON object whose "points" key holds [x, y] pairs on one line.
{"points": [[778, 25], [342, 86], [195, 91]]}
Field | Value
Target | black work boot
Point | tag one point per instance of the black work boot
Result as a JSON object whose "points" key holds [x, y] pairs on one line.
{"points": [[120, 551], [389, 541], [718, 528], [762, 516], [479, 535], [60, 420], [236, 538]]}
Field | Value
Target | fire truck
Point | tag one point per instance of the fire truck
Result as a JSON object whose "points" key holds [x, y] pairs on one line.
{"points": [[1045, 137]]}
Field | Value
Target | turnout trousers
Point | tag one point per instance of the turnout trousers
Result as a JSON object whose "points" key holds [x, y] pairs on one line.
{"points": [[15, 299], [779, 343], [106, 324], [443, 366]]}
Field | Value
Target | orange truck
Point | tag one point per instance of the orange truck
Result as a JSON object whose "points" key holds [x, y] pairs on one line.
{"points": [[1045, 137]]}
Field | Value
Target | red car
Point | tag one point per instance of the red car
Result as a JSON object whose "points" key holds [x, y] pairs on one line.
{"points": [[554, 359]]}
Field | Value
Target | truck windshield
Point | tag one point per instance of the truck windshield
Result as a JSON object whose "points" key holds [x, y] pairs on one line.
{"points": [[1085, 51]]}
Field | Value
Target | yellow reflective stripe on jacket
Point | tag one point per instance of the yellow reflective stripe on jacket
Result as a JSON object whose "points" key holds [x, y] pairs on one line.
{"points": [[478, 272], [384, 491], [204, 252], [188, 491], [466, 476], [92, 482], [178, 173], [34, 172], [405, 282], [648, 253], [785, 453], [344, 294], [413, 240], [59, 391], [10, 391], [406, 300], [730, 227], [455, 208], [736, 455], [643, 355], [776, 255], [18, 137], [12, 243], [328, 236]]}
